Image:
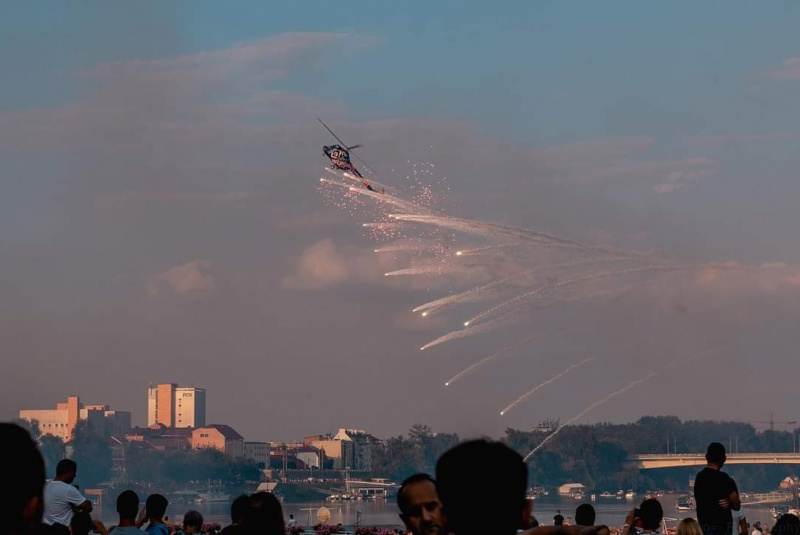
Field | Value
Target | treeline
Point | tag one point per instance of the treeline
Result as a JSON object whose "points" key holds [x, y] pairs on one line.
{"points": [[595, 454], [131, 462]]}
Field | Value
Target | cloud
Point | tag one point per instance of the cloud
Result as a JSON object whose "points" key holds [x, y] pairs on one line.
{"points": [[790, 68], [184, 280], [325, 265], [733, 138], [261, 60]]}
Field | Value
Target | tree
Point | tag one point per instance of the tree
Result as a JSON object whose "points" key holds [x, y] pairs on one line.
{"points": [[92, 454], [32, 426], [53, 450]]}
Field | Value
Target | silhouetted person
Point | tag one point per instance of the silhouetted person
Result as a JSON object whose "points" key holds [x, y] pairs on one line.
{"points": [[127, 508], [238, 509], [585, 515], [61, 499], [558, 519], [155, 507], [420, 508], [264, 515], [82, 524], [649, 514], [787, 524], [715, 494], [500, 506], [192, 522], [22, 491]]}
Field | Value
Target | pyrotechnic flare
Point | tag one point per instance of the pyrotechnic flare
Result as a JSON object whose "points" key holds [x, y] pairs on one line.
{"points": [[589, 408], [479, 250], [530, 392], [623, 390], [435, 269], [545, 288], [486, 360]]}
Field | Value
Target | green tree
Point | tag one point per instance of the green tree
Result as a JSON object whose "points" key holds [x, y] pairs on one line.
{"points": [[32, 426], [53, 450], [92, 454]]}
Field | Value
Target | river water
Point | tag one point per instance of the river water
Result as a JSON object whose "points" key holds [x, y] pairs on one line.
{"points": [[611, 511]]}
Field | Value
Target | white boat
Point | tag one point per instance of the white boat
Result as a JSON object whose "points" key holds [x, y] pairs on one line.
{"points": [[684, 503], [629, 495], [606, 495], [213, 496]]}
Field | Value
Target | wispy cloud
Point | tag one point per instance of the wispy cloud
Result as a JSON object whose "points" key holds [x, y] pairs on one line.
{"points": [[183, 280], [735, 138], [325, 265], [790, 68]]}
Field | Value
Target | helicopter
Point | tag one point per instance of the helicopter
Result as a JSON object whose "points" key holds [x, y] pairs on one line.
{"points": [[339, 156]]}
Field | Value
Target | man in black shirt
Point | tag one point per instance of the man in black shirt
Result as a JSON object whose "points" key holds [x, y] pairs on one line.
{"points": [[715, 494]]}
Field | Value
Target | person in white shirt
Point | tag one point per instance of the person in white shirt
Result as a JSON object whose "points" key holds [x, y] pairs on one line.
{"points": [[292, 522], [739, 523], [61, 499]]}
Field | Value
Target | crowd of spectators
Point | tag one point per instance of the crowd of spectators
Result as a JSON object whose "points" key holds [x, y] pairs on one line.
{"points": [[449, 504]]}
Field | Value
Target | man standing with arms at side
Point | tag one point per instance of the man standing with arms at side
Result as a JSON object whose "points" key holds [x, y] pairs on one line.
{"points": [[61, 499], [716, 494]]}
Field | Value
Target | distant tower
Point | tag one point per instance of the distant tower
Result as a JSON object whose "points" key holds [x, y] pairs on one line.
{"points": [[174, 406]]}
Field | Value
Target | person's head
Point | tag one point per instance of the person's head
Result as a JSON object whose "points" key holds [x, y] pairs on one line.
{"points": [[500, 510], [291, 517], [585, 515], [21, 501], [264, 515], [238, 508], [420, 508], [156, 506], [192, 522], [66, 470], [715, 454], [689, 526], [127, 505], [651, 514], [787, 524]]}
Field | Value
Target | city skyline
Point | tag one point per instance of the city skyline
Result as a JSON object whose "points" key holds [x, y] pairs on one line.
{"points": [[160, 215]]}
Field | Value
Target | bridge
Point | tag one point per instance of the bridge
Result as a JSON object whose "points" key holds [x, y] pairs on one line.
{"points": [[673, 460]]}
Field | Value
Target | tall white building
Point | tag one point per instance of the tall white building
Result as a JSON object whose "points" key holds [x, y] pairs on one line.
{"points": [[176, 406]]}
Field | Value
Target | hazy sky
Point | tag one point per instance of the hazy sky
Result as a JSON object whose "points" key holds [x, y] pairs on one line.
{"points": [[160, 218]]}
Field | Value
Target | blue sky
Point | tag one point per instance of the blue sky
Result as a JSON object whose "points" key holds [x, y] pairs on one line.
{"points": [[159, 163]]}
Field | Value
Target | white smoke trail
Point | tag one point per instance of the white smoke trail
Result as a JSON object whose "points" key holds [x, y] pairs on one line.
{"points": [[382, 197], [625, 389], [482, 292], [587, 409], [397, 248], [381, 225], [480, 250], [469, 296], [488, 230], [551, 286], [491, 324], [391, 199], [493, 230], [530, 392], [436, 269], [374, 183], [486, 360]]}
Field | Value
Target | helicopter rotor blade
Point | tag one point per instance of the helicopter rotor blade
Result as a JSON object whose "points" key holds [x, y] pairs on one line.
{"points": [[331, 131]]}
